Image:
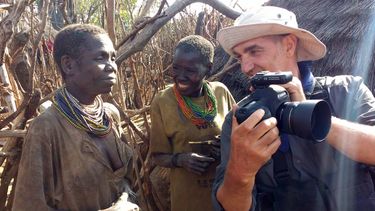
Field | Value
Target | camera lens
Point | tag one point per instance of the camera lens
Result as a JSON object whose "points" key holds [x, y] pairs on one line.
{"points": [[310, 119]]}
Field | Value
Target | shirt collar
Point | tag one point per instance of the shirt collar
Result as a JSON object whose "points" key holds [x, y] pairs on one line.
{"points": [[307, 78]]}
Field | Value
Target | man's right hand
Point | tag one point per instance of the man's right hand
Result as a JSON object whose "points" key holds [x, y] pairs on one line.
{"points": [[194, 162], [252, 145]]}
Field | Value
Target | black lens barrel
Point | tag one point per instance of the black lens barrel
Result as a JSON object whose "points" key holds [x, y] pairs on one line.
{"points": [[309, 119]]}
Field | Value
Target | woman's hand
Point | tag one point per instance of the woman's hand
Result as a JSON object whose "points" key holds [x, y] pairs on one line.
{"points": [[193, 162]]}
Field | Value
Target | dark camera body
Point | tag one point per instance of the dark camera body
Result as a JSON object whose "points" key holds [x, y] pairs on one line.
{"points": [[310, 119], [266, 78]]}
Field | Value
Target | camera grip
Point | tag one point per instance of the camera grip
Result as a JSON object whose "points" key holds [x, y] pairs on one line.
{"points": [[244, 112]]}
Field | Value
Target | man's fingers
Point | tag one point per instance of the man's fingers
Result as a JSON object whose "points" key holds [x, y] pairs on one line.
{"points": [[272, 148], [254, 118], [234, 119], [268, 138], [251, 121]]}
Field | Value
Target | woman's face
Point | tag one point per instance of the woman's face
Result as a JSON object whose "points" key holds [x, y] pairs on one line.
{"points": [[94, 72], [189, 72]]}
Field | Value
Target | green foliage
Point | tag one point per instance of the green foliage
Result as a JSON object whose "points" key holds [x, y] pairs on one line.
{"points": [[125, 10], [91, 11]]}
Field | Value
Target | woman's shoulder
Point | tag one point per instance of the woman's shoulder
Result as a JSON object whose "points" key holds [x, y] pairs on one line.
{"points": [[220, 89], [164, 95], [45, 124], [217, 85]]}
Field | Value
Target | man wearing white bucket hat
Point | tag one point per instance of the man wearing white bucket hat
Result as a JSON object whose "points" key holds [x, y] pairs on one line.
{"points": [[330, 175]]}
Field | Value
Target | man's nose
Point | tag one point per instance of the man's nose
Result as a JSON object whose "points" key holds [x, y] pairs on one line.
{"points": [[247, 66]]}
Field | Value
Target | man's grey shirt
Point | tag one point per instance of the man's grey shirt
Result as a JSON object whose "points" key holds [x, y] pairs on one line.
{"points": [[348, 183]]}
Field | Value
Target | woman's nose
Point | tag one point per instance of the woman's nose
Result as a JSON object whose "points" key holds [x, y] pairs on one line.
{"points": [[111, 67]]}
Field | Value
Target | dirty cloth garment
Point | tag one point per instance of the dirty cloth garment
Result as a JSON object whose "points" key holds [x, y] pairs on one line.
{"points": [[62, 168], [171, 132]]}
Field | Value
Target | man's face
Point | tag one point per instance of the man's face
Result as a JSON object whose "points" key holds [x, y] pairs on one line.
{"points": [[94, 72], [188, 73], [263, 53]]}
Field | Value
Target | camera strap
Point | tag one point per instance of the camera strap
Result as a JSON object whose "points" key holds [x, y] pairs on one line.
{"points": [[281, 169]]}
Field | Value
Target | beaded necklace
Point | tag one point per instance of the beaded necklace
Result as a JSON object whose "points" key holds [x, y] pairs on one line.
{"points": [[197, 115], [90, 118]]}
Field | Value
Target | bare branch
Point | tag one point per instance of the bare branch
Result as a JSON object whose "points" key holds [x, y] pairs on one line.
{"points": [[7, 24], [130, 47], [13, 133], [110, 17]]}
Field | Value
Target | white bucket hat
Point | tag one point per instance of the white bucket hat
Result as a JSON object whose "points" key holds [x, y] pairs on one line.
{"points": [[269, 20]]}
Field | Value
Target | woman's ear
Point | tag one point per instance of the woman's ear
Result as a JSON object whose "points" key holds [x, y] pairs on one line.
{"points": [[209, 66], [67, 64]]}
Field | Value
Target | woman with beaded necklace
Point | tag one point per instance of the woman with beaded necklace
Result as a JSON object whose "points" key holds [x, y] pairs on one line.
{"points": [[186, 118], [73, 157]]}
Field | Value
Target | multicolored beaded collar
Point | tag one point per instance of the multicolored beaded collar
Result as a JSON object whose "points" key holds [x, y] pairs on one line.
{"points": [[197, 115], [91, 118]]}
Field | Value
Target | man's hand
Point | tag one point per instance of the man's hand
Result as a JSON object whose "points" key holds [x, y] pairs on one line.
{"points": [[295, 90], [252, 145], [194, 162]]}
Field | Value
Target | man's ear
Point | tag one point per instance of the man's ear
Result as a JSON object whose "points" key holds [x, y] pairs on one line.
{"points": [[67, 64], [291, 42]]}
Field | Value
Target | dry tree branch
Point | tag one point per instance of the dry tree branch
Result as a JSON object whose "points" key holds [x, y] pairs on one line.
{"points": [[42, 26], [129, 47], [92, 10], [127, 118], [110, 17], [62, 8], [137, 29], [29, 93], [13, 133], [7, 25], [228, 66]]}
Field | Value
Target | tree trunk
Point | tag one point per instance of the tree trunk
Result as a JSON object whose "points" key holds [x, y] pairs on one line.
{"points": [[110, 4]]}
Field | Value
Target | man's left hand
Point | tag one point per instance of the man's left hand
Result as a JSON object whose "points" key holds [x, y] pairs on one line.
{"points": [[295, 90]]}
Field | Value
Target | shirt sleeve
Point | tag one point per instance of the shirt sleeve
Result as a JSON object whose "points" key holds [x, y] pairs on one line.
{"points": [[220, 169], [366, 104], [34, 186], [352, 100]]}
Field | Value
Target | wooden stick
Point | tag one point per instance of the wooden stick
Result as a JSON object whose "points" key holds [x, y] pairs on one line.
{"points": [[13, 133], [132, 113]]}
